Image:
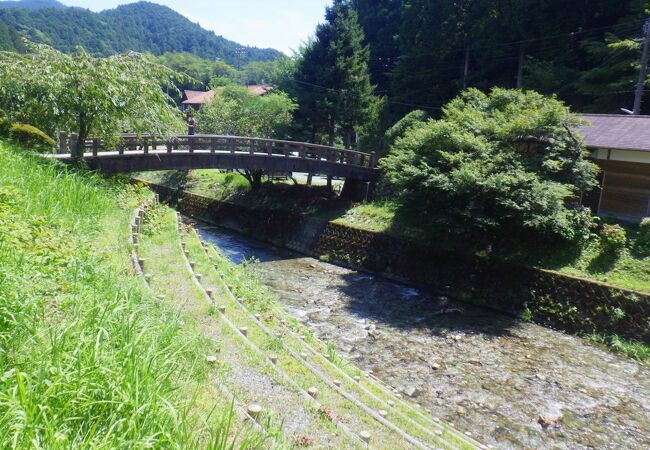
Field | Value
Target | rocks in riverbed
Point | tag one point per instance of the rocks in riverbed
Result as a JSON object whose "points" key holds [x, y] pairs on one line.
{"points": [[411, 390], [547, 421]]}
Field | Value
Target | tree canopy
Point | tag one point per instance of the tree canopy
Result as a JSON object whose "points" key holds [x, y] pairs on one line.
{"points": [[425, 52], [235, 111], [495, 164], [87, 95]]}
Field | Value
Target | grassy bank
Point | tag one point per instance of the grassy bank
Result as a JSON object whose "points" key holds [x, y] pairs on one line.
{"points": [[243, 364], [630, 269], [88, 358]]}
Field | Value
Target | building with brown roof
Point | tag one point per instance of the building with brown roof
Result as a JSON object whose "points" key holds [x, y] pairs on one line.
{"points": [[196, 99], [620, 145]]}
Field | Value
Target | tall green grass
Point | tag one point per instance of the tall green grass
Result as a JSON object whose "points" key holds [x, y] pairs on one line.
{"points": [[88, 359]]}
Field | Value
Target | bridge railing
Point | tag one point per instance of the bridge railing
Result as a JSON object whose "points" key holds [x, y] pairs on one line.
{"points": [[147, 143]]}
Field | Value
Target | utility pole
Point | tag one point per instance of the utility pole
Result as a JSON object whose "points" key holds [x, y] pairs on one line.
{"points": [[466, 67], [520, 66], [643, 73]]}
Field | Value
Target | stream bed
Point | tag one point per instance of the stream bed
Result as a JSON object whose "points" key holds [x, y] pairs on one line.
{"points": [[510, 383]]}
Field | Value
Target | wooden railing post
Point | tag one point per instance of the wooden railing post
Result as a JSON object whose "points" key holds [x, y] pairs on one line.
{"points": [[231, 145], [190, 143], [213, 144], [145, 144], [95, 146], [373, 160]]}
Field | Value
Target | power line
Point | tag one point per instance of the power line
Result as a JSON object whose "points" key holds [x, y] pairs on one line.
{"points": [[623, 26]]}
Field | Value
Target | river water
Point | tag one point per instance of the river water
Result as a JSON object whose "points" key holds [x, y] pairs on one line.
{"points": [[509, 383]]}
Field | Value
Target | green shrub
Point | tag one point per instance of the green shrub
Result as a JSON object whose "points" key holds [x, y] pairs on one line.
{"points": [[583, 225], [31, 137], [643, 237], [494, 166], [613, 238], [5, 124]]}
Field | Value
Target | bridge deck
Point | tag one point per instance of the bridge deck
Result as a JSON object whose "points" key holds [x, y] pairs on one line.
{"points": [[300, 160]]}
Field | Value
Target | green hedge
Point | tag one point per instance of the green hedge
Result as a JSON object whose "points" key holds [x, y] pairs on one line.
{"points": [[31, 137]]}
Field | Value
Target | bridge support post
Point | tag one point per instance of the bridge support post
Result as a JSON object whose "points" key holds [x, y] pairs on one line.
{"points": [[355, 190], [63, 142], [74, 147]]}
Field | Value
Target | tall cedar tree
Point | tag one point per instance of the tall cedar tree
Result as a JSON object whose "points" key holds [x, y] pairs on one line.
{"points": [[336, 95]]}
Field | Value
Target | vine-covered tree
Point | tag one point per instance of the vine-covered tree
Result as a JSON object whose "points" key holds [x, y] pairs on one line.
{"points": [[495, 164], [87, 95]]}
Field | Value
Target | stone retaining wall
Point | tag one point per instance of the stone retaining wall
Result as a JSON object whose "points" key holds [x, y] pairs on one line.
{"points": [[551, 298]]}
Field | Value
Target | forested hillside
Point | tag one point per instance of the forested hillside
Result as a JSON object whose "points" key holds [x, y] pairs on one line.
{"points": [[143, 27], [423, 52], [10, 40], [32, 4]]}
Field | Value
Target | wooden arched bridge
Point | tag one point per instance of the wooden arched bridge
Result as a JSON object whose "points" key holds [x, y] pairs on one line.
{"points": [[140, 153]]}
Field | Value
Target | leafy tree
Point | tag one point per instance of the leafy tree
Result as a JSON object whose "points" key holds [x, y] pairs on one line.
{"points": [[87, 95], [496, 164], [411, 120], [199, 70], [236, 112], [261, 72]]}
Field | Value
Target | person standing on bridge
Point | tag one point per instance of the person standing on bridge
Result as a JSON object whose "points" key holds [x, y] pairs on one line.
{"points": [[191, 124]]}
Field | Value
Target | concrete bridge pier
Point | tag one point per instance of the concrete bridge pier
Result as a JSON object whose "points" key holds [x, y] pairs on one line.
{"points": [[356, 190]]}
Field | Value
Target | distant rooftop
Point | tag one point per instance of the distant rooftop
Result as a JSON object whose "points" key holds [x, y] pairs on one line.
{"points": [[617, 131], [197, 97], [259, 89], [202, 97]]}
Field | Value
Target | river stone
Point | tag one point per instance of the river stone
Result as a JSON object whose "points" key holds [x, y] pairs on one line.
{"points": [[410, 390]]}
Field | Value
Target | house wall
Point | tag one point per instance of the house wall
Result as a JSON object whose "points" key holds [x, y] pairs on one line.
{"points": [[625, 184]]}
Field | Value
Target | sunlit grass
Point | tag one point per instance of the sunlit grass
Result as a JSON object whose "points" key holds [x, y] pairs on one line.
{"points": [[88, 358]]}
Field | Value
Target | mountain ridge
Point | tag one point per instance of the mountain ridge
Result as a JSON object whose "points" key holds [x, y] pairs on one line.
{"points": [[141, 26], [32, 4]]}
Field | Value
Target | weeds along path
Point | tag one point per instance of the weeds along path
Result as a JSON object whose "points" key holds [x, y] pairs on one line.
{"points": [[289, 415], [353, 389]]}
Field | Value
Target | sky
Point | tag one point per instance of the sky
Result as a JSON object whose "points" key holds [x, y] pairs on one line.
{"points": [[279, 24]]}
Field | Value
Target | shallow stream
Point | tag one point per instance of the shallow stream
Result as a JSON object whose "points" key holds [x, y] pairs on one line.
{"points": [[510, 383]]}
